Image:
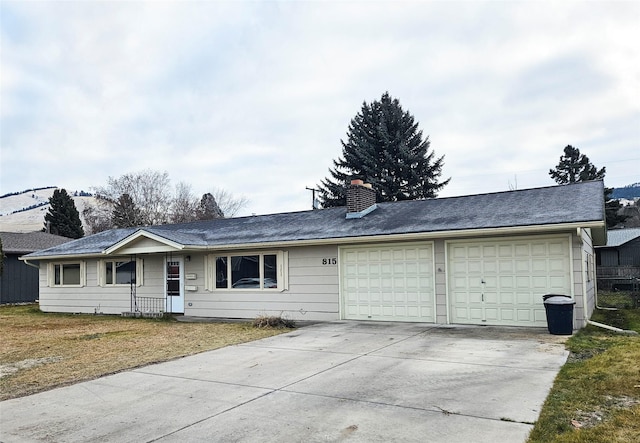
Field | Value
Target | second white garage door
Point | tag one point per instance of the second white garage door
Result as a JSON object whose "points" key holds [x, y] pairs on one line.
{"points": [[501, 282], [390, 282]]}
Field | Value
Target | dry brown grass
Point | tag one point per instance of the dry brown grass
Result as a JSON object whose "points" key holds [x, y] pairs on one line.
{"points": [[40, 351]]}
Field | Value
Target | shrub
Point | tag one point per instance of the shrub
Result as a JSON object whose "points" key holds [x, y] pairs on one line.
{"points": [[273, 321]]}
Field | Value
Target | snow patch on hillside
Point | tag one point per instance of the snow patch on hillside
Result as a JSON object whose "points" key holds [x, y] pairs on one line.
{"points": [[32, 219]]}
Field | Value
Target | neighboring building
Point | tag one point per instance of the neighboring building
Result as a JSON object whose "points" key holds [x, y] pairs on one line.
{"points": [[482, 259], [619, 260], [19, 282], [622, 248]]}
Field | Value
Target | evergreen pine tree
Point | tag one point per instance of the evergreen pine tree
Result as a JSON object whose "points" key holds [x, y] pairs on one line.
{"points": [[63, 217], [612, 208], [125, 213], [384, 147], [208, 208], [575, 167]]}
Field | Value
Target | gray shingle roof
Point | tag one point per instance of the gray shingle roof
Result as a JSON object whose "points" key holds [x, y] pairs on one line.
{"points": [[24, 242], [575, 203], [618, 237]]}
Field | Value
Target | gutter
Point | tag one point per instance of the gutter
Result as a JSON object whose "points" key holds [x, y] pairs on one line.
{"points": [[26, 262]]}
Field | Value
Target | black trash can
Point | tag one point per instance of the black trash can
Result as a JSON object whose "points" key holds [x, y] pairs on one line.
{"points": [[559, 310]]}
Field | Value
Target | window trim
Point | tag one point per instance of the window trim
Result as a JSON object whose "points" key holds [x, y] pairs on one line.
{"points": [[282, 265], [51, 267], [102, 272]]}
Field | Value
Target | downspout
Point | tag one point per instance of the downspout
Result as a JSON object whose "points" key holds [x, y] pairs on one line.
{"points": [[612, 328], [595, 285], [26, 262], [584, 297]]}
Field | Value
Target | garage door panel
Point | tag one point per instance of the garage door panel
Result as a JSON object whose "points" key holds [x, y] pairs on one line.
{"points": [[556, 249], [507, 282], [505, 251], [394, 282], [539, 249], [505, 266], [522, 265], [557, 264], [474, 267], [515, 273], [491, 314], [508, 298]]}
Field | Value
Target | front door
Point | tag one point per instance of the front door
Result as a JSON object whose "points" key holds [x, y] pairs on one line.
{"points": [[174, 288]]}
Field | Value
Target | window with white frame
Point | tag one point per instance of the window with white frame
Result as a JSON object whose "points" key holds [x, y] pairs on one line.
{"points": [[120, 271], [66, 274], [255, 271]]}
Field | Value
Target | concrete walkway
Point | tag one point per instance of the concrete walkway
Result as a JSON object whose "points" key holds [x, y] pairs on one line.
{"points": [[328, 382]]}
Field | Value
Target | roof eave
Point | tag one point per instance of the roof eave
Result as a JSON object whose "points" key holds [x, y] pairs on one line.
{"points": [[597, 227], [463, 233]]}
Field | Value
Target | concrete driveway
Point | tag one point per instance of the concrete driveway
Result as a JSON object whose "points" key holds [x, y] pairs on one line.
{"points": [[328, 382]]}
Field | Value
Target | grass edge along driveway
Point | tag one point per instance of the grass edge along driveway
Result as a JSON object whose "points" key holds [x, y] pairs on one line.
{"points": [[596, 395], [40, 351]]}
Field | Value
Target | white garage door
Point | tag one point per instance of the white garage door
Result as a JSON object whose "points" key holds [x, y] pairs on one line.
{"points": [[501, 282], [391, 282]]}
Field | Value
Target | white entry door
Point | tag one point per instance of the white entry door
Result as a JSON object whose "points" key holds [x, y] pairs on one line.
{"points": [[174, 288]]}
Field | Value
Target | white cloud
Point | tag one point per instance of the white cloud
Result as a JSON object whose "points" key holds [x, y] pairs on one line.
{"points": [[255, 97]]}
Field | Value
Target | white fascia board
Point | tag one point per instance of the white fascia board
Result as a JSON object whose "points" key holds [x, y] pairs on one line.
{"points": [[66, 257], [141, 234]]}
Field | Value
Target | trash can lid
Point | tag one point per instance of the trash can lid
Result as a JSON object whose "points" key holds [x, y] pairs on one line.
{"points": [[559, 300]]}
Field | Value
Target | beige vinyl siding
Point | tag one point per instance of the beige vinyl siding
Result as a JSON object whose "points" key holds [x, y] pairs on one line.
{"points": [[312, 293], [583, 277], [93, 298]]}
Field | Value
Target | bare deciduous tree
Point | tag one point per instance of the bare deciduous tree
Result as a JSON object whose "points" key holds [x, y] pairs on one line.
{"points": [[185, 204], [150, 191], [97, 217], [228, 204]]}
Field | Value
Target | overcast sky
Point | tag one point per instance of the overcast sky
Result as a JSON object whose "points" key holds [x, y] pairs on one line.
{"points": [[254, 97]]}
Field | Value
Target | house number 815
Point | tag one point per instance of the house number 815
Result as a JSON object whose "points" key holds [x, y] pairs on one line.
{"points": [[329, 261]]}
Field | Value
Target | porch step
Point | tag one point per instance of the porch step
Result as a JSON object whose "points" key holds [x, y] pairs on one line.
{"points": [[143, 314]]}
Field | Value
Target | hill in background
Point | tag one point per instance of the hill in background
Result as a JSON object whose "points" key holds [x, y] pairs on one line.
{"points": [[629, 192], [24, 211]]}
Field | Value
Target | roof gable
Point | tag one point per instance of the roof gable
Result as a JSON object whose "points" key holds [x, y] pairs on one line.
{"points": [[143, 242]]}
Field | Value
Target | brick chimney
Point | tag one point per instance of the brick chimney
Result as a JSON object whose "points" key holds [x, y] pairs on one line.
{"points": [[361, 199]]}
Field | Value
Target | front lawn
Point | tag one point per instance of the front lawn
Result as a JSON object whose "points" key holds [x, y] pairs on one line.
{"points": [[596, 395], [40, 351]]}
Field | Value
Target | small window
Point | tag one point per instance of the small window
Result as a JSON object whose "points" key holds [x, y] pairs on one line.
{"points": [[120, 272], [67, 274]]}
